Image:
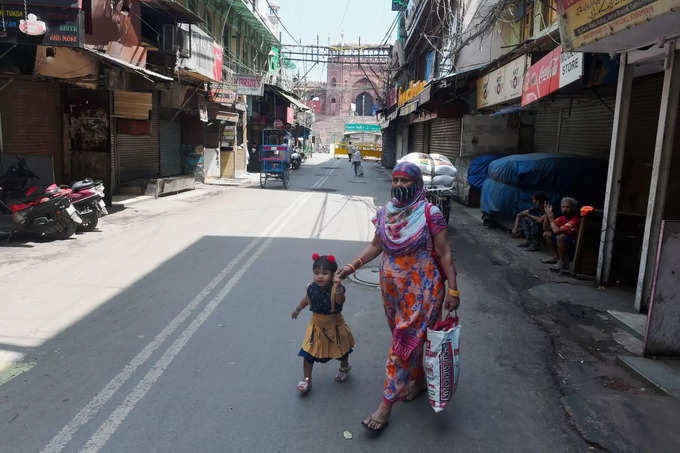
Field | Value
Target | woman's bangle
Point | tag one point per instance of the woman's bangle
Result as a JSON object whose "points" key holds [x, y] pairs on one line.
{"points": [[454, 292], [354, 269], [361, 262]]}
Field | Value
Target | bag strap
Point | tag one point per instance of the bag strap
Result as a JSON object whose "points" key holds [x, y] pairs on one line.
{"points": [[333, 299]]}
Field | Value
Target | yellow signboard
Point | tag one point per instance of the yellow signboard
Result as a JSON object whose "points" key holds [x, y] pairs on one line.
{"points": [[587, 21], [411, 92]]}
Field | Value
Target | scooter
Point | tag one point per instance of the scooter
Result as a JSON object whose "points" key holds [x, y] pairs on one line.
{"points": [[44, 211], [295, 160], [87, 196]]}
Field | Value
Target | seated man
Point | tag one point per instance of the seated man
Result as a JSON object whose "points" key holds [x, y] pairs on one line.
{"points": [[528, 223], [560, 233]]}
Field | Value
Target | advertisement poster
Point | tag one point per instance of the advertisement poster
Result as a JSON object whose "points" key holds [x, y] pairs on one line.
{"points": [[550, 73], [503, 84], [589, 22], [62, 26]]}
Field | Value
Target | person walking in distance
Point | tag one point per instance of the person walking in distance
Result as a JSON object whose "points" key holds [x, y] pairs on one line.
{"points": [[356, 161]]}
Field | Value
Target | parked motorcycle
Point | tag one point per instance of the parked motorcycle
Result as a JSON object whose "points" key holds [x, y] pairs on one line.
{"points": [[45, 211], [295, 160], [87, 196]]}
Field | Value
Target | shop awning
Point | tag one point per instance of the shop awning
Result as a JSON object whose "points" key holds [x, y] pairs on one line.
{"points": [[289, 97], [507, 111], [152, 76]]}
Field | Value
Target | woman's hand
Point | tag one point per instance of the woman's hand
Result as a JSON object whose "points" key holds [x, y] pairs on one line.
{"points": [[295, 314], [342, 273], [451, 303]]}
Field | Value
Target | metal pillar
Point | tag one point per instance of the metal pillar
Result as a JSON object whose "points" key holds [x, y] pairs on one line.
{"points": [[660, 171], [616, 157]]}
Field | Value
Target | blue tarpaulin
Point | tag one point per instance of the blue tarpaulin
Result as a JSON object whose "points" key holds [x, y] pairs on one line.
{"points": [[479, 169], [513, 179]]}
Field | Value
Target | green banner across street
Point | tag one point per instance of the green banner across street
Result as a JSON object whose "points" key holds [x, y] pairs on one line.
{"points": [[360, 127]]}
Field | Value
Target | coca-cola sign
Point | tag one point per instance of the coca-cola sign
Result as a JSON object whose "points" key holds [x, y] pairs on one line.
{"points": [[250, 85]]}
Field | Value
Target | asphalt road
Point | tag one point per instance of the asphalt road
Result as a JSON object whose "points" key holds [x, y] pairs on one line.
{"points": [[169, 331]]}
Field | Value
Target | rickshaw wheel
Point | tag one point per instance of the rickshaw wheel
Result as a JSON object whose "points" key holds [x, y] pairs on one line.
{"points": [[286, 177], [263, 180]]}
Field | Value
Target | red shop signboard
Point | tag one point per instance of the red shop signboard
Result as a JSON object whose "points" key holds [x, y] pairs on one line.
{"points": [[550, 73]]}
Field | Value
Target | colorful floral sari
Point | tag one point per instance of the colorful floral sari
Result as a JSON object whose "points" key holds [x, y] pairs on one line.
{"points": [[412, 286]]}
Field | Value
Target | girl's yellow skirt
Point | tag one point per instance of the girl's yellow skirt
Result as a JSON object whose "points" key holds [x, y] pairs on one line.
{"points": [[327, 337]]}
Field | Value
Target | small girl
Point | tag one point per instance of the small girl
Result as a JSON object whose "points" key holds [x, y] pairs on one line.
{"points": [[328, 335]]}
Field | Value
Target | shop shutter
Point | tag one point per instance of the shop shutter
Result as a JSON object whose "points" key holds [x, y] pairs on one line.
{"points": [[445, 134], [546, 128], [644, 117], [586, 127], [31, 126], [171, 146], [416, 140], [138, 155]]}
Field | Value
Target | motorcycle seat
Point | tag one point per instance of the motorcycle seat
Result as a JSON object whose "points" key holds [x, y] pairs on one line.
{"points": [[35, 193], [82, 185]]}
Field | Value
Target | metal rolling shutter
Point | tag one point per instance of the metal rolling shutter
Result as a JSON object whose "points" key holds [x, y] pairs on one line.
{"points": [[586, 127], [416, 140], [546, 128], [139, 155], [171, 146], [31, 122], [644, 117], [445, 136]]}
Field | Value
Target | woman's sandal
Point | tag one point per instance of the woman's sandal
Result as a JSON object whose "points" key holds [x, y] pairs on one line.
{"points": [[304, 386], [379, 424], [343, 374]]}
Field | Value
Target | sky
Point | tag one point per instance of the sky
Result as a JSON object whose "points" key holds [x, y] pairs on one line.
{"points": [[305, 19]]}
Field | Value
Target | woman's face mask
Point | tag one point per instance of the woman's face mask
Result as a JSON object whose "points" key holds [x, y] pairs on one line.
{"points": [[404, 194]]}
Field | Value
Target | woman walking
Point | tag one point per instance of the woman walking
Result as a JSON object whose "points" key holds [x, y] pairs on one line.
{"points": [[411, 234]]}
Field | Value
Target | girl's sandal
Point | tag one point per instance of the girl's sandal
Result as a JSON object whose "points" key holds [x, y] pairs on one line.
{"points": [[304, 386], [343, 373]]}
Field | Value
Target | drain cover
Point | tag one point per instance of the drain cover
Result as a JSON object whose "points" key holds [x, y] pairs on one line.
{"points": [[322, 189], [369, 276]]}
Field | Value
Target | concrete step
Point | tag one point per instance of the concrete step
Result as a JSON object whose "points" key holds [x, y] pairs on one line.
{"points": [[662, 373]]}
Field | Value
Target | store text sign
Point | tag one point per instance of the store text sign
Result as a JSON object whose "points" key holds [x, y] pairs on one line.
{"points": [[503, 84], [250, 85], [586, 22], [550, 73]]}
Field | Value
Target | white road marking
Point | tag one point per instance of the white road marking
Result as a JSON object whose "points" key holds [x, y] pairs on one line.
{"points": [[62, 439]]}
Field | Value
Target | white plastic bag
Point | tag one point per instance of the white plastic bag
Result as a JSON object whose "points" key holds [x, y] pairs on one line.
{"points": [[442, 362]]}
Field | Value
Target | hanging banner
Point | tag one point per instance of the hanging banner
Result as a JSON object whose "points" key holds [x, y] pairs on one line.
{"points": [[250, 85], [503, 84], [290, 115], [587, 24], [550, 73], [206, 55]]}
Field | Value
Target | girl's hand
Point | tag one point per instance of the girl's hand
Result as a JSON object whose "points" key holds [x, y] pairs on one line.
{"points": [[451, 303], [343, 272], [295, 314]]}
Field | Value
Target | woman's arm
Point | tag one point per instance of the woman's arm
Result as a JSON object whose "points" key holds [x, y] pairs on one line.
{"points": [[368, 254], [303, 303], [443, 249]]}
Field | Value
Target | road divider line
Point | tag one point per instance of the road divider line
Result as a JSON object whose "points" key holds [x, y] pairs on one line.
{"points": [[65, 435], [109, 427]]}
